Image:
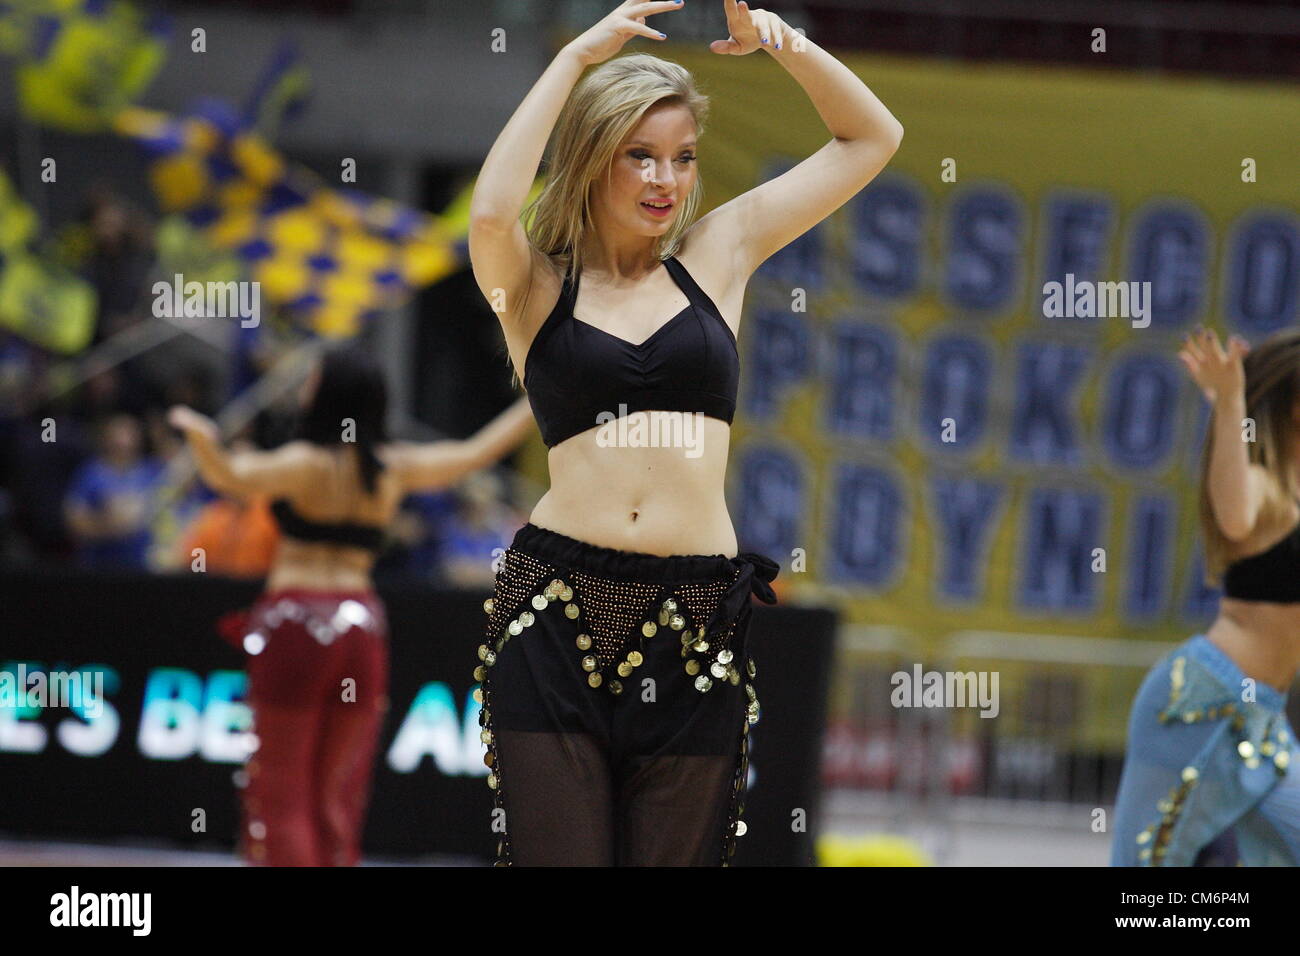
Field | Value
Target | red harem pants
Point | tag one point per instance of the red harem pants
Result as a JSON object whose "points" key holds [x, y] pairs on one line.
{"points": [[317, 686]]}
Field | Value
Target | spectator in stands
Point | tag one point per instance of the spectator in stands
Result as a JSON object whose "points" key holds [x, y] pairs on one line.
{"points": [[41, 446], [108, 506], [117, 260], [416, 537], [478, 531]]}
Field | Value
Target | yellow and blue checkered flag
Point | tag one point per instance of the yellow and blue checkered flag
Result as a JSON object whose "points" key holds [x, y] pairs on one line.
{"points": [[330, 258]]}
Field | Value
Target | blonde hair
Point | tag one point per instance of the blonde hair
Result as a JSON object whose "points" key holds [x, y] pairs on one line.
{"points": [[1272, 372], [601, 112]]}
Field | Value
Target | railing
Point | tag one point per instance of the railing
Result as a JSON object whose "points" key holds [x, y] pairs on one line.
{"points": [[1050, 751]]}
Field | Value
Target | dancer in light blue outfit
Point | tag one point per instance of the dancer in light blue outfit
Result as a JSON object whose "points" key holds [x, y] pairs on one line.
{"points": [[1201, 760], [1210, 749]]}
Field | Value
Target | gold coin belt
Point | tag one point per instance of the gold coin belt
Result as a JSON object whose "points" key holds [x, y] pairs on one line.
{"points": [[609, 635]]}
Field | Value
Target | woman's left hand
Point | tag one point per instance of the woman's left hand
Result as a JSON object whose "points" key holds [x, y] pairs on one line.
{"points": [[750, 29], [187, 420]]}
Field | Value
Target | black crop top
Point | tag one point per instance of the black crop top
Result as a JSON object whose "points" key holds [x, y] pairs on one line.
{"points": [[575, 371], [1272, 575], [347, 533]]}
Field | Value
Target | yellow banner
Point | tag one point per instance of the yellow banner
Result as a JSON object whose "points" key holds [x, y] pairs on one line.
{"points": [[961, 405]]}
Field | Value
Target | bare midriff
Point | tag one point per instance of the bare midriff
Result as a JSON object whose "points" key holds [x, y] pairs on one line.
{"points": [[652, 500], [322, 566], [1263, 639], [312, 566]]}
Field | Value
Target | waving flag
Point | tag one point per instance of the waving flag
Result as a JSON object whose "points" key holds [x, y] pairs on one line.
{"points": [[331, 258]]}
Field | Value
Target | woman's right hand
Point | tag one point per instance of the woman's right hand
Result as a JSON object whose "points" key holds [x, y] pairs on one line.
{"points": [[1218, 373], [607, 37]]}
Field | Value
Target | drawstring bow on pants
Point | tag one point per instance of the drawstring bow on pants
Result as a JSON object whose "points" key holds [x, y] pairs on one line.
{"points": [[755, 577]]}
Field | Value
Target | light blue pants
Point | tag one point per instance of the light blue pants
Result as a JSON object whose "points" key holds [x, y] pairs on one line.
{"points": [[1203, 757]]}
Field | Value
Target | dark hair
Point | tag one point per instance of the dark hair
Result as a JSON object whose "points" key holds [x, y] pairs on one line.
{"points": [[1272, 372], [351, 387]]}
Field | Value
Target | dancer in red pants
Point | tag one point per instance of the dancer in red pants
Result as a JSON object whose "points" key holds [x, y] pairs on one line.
{"points": [[317, 638]]}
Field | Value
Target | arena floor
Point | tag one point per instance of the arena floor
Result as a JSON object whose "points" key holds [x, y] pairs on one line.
{"points": [[965, 833]]}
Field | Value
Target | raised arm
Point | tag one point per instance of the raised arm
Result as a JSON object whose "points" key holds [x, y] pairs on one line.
{"points": [[1237, 488], [434, 465], [768, 217], [498, 247], [277, 472], [499, 251]]}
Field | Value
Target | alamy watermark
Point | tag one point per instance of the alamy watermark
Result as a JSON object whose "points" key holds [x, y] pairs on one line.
{"points": [[81, 690], [654, 429], [946, 689], [130, 910], [179, 299], [1098, 300]]}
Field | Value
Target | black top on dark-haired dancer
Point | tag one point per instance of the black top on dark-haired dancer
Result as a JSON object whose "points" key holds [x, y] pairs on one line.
{"points": [[346, 533], [575, 371], [1272, 575]]}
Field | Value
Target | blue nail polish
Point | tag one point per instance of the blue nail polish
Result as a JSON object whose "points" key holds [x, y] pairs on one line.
{"points": [[662, 35], [764, 39]]}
